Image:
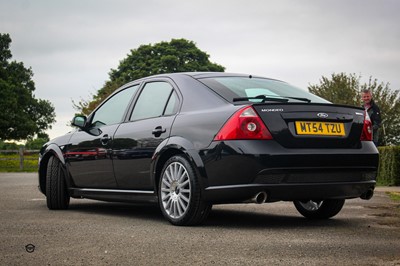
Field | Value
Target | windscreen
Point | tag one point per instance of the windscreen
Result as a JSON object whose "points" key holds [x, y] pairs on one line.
{"points": [[232, 88]]}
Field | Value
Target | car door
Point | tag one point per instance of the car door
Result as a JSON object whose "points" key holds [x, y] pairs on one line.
{"points": [[88, 155], [136, 140]]}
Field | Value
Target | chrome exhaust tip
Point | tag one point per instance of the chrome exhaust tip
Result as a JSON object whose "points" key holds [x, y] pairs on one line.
{"points": [[367, 195], [260, 197]]}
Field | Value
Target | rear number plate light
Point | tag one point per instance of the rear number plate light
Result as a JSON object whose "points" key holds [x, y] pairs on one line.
{"points": [[320, 128]]}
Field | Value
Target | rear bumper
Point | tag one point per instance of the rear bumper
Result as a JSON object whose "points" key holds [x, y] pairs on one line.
{"points": [[288, 192], [237, 170]]}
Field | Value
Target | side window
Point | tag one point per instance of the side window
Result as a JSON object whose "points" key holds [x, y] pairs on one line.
{"points": [[152, 101], [111, 112], [173, 104]]}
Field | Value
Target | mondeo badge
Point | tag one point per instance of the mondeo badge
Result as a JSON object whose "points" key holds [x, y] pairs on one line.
{"points": [[322, 115]]}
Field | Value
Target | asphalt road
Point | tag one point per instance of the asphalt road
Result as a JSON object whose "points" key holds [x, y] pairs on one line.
{"points": [[100, 233]]}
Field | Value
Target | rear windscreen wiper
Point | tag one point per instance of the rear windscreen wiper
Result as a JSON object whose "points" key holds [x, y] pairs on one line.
{"points": [[298, 98], [266, 98], [261, 97]]}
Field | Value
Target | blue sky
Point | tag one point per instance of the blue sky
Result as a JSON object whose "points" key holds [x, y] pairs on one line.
{"points": [[72, 45]]}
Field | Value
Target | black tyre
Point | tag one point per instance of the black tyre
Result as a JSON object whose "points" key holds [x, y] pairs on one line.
{"points": [[179, 193], [323, 209], [56, 188]]}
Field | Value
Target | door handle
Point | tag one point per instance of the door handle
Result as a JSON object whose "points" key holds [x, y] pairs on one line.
{"points": [[158, 131], [105, 139]]}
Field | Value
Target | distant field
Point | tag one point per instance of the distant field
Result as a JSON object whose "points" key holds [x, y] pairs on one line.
{"points": [[11, 163]]}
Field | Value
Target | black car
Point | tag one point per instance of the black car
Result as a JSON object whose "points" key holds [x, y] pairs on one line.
{"points": [[190, 140]]}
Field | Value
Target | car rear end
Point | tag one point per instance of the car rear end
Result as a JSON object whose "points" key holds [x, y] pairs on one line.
{"points": [[289, 144]]}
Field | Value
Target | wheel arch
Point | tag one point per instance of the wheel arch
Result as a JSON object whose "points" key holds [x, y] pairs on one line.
{"points": [[177, 146]]}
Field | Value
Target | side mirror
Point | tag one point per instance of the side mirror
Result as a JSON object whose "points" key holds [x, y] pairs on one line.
{"points": [[79, 121]]}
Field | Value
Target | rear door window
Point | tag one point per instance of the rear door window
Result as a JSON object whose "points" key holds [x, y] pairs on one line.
{"points": [[155, 100]]}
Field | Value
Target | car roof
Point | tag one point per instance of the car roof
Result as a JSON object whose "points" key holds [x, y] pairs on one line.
{"points": [[200, 75]]}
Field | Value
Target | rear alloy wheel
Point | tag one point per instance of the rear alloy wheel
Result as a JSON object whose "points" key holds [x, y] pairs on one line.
{"points": [[180, 193], [56, 188], [323, 209]]}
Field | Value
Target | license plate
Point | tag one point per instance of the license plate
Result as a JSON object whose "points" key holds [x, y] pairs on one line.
{"points": [[320, 128]]}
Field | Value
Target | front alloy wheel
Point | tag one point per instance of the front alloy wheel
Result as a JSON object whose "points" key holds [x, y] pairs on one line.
{"points": [[321, 209], [180, 193]]}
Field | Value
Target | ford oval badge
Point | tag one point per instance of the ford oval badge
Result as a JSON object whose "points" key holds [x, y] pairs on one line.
{"points": [[322, 115]]}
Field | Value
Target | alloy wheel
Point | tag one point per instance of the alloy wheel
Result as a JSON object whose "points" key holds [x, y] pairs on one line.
{"points": [[175, 190], [311, 205]]}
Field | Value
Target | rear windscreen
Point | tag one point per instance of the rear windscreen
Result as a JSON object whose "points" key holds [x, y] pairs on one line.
{"points": [[232, 88]]}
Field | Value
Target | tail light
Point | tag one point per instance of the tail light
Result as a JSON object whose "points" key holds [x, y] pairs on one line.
{"points": [[244, 124], [366, 134]]}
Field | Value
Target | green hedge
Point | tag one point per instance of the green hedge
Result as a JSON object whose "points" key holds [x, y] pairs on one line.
{"points": [[389, 166]]}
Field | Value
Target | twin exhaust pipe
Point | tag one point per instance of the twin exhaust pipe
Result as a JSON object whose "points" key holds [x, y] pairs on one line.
{"points": [[261, 197]]}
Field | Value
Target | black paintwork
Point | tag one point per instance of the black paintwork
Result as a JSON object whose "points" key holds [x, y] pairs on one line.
{"points": [[122, 162]]}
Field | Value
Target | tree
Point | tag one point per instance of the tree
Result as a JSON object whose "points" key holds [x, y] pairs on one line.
{"points": [[8, 145], [22, 116], [341, 89], [36, 144], [178, 55], [345, 89]]}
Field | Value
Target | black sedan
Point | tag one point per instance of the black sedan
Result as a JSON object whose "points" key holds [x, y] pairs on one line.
{"points": [[190, 140]]}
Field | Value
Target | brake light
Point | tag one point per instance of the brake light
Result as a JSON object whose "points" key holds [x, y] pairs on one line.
{"points": [[366, 134], [244, 124]]}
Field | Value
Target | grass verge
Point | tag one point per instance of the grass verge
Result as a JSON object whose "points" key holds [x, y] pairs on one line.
{"points": [[394, 195]]}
